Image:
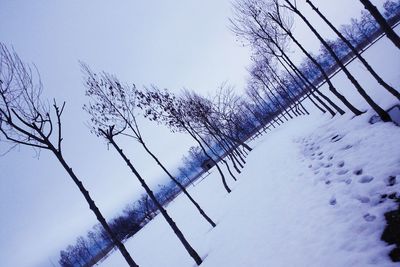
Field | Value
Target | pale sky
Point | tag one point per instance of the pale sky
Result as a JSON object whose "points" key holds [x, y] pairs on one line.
{"points": [[171, 44]]}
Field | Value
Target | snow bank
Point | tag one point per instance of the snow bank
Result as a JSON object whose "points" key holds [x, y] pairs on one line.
{"points": [[310, 195], [313, 193]]}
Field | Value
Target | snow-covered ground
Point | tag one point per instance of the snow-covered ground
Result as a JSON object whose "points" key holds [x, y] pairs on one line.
{"points": [[313, 193]]}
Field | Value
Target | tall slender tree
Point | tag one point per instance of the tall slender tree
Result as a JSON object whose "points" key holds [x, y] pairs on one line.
{"points": [[390, 33], [279, 20], [253, 22], [108, 124], [164, 107], [381, 112], [379, 79], [107, 91], [26, 120]]}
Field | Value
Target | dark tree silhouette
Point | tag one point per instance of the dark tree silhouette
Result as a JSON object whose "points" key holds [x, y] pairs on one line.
{"points": [[277, 19], [107, 122], [26, 120], [120, 102], [252, 21], [388, 87], [390, 33], [381, 112], [164, 107]]}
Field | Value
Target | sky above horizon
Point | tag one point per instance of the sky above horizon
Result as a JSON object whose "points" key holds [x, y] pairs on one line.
{"points": [[171, 44]]}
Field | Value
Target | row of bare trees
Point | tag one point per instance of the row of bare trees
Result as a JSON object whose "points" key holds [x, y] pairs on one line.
{"points": [[276, 83], [219, 124], [26, 119]]}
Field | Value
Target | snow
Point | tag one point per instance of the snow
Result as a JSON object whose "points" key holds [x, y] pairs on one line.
{"points": [[311, 194], [281, 212]]}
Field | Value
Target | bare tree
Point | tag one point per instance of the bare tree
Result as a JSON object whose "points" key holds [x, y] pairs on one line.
{"points": [[276, 16], [65, 259], [259, 21], [379, 79], [94, 238], [390, 33], [164, 107], [83, 249], [26, 120], [112, 115], [107, 92], [278, 19]]}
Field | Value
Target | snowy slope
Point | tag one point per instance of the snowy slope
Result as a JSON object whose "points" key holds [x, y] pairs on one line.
{"points": [[299, 202], [312, 194]]}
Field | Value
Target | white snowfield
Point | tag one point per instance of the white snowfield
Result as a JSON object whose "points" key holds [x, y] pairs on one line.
{"points": [[312, 194]]}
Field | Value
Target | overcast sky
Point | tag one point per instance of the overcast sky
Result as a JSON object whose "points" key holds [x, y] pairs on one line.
{"points": [[172, 44]]}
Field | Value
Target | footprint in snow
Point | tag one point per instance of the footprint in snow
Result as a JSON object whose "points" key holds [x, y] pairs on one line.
{"points": [[327, 165], [369, 218], [358, 171], [366, 179], [336, 138], [330, 157], [343, 171], [391, 180], [347, 147], [340, 164], [332, 201], [363, 199]]}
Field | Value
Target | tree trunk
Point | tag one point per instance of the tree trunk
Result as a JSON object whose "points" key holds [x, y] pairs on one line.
{"points": [[275, 97], [389, 88], [313, 88], [227, 149], [166, 216], [210, 158], [95, 209], [293, 66], [266, 90], [390, 33], [321, 69], [200, 210], [381, 112], [289, 92], [305, 85]]}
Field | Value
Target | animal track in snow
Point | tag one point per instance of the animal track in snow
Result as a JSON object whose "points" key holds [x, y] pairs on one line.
{"points": [[358, 171]]}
